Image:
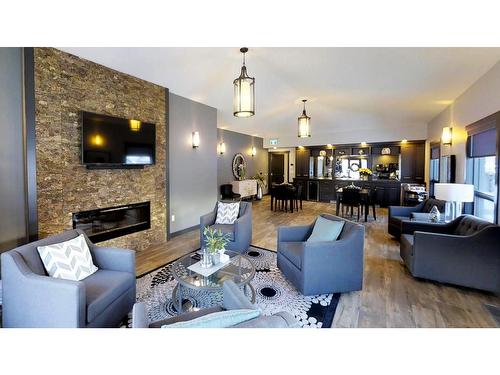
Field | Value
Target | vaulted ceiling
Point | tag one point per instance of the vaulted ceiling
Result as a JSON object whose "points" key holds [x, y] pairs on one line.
{"points": [[355, 90]]}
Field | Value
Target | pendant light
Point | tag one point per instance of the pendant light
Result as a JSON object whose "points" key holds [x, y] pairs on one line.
{"points": [[244, 92], [304, 123]]}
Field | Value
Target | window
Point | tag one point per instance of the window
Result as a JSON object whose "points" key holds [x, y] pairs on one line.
{"points": [[485, 186], [434, 167]]}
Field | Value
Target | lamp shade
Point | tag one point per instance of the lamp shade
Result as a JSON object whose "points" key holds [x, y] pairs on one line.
{"points": [[454, 192]]}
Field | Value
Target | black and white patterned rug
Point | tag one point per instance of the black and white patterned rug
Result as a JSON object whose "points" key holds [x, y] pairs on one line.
{"points": [[273, 294]]}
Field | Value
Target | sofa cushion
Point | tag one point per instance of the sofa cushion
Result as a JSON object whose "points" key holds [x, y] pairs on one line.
{"points": [[222, 319], [103, 288], [326, 230], [227, 213], [293, 252], [469, 225], [225, 228], [69, 260], [398, 219], [420, 216]]}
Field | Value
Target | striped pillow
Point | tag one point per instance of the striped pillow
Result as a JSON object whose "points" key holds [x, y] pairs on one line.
{"points": [[227, 213]]}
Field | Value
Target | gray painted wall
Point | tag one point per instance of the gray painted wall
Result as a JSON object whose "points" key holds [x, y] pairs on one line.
{"points": [[12, 183], [192, 172], [240, 143]]}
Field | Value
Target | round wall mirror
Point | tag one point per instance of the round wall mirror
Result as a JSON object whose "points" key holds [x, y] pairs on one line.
{"points": [[239, 166]]}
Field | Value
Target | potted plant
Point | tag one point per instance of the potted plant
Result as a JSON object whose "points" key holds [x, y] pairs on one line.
{"points": [[216, 242], [365, 173]]}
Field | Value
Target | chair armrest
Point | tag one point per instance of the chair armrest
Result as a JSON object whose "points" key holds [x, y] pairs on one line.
{"points": [[114, 259], [409, 227], [234, 298], [32, 300], [244, 221], [140, 316], [404, 210], [208, 219], [294, 234]]}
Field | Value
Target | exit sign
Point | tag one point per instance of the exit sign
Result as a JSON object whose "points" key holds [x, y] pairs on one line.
{"points": [[273, 142]]}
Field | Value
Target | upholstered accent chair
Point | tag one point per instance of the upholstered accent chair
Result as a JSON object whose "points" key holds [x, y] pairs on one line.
{"points": [[233, 299], [465, 252], [31, 298], [322, 267], [399, 213], [240, 232]]}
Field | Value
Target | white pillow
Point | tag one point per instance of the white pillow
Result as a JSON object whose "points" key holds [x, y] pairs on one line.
{"points": [[227, 213], [69, 260]]}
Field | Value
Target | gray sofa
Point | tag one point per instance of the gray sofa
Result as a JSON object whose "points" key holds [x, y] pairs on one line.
{"points": [[31, 298], [322, 267], [399, 213], [233, 299], [240, 231], [464, 252]]}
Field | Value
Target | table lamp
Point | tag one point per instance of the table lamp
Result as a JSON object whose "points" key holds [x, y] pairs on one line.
{"points": [[454, 195]]}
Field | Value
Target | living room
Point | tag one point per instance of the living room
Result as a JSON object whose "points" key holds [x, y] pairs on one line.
{"points": [[335, 185]]}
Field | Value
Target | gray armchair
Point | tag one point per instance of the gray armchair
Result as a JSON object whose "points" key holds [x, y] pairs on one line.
{"points": [[322, 267], [464, 252], [240, 231], [31, 298], [399, 213], [233, 299]]}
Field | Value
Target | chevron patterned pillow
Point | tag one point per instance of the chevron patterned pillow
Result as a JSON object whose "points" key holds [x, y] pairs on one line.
{"points": [[69, 260], [227, 213]]}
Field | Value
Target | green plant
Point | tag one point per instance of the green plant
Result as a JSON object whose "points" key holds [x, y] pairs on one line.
{"points": [[260, 180], [215, 239]]}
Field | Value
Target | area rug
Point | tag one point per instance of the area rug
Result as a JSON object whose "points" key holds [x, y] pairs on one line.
{"points": [[273, 294]]}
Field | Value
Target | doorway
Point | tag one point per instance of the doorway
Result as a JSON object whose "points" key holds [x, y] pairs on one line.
{"points": [[278, 167]]}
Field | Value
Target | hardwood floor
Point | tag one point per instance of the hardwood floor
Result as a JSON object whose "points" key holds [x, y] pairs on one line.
{"points": [[391, 297]]}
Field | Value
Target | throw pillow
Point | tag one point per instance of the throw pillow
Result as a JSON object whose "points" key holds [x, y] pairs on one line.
{"points": [[69, 260], [326, 230], [420, 216], [227, 213], [222, 319]]}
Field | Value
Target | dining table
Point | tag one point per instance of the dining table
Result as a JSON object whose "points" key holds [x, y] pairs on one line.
{"points": [[365, 200]]}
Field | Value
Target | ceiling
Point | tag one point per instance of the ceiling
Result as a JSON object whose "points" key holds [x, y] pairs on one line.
{"points": [[367, 90]]}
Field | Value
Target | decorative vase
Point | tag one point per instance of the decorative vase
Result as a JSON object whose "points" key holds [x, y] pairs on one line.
{"points": [[216, 258], [206, 258], [434, 214], [259, 192]]}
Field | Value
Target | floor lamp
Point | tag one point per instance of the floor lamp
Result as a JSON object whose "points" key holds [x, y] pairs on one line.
{"points": [[454, 195]]}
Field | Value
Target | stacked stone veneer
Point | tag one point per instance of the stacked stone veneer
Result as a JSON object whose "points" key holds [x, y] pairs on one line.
{"points": [[65, 85]]}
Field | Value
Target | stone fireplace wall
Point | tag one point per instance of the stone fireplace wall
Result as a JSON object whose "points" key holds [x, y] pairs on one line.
{"points": [[65, 85]]}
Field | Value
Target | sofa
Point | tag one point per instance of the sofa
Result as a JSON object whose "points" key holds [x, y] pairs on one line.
{"points": [[322, 267], [31, 298], [233, 299], [464, 252], [240, 232], [399, 213]]}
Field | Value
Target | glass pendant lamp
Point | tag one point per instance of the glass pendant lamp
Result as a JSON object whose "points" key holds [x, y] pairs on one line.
{"points": [[244, 92], [304, 123]]}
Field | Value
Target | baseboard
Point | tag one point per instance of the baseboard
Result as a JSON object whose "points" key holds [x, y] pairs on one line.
{"points": [[180, 232]]}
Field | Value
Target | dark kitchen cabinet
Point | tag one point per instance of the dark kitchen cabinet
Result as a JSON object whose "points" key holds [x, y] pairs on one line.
{"points": [[412, 162], [388, 195], [302, 163], [343, 151], [326, 193]]}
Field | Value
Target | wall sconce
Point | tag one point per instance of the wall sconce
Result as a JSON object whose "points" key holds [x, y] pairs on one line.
{"points": [[196, 139], [254, 151], [447, 135], [222, 148], [404, 141]]}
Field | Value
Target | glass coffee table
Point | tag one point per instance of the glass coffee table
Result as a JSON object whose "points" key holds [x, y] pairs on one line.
{"points": [[239, 269]]}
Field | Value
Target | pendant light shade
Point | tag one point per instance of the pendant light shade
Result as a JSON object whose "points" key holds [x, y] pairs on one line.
{"points": [[304, 123], [244, 92]]}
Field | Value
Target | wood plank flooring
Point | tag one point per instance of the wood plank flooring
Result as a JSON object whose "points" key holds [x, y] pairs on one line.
{"points": [[391, 297]]}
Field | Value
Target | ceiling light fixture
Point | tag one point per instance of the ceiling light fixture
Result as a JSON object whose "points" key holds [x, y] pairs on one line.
{"points": [[244, 92], [304, 123]]}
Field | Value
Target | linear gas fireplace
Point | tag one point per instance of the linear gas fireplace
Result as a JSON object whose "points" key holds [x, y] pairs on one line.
{"points": [[106, 223]]}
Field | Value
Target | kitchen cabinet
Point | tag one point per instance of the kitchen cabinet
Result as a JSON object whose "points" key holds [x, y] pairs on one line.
{"points": [[412, 162], [388, 194], [302, 163], [343, 151], [326, 193]]}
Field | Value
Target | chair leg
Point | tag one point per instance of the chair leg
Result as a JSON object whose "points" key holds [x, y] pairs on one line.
{"points": [[374, 214], [358, 211]]}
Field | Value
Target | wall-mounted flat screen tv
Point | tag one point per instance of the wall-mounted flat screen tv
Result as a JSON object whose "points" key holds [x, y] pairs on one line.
{"points": [[112, 142]]}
